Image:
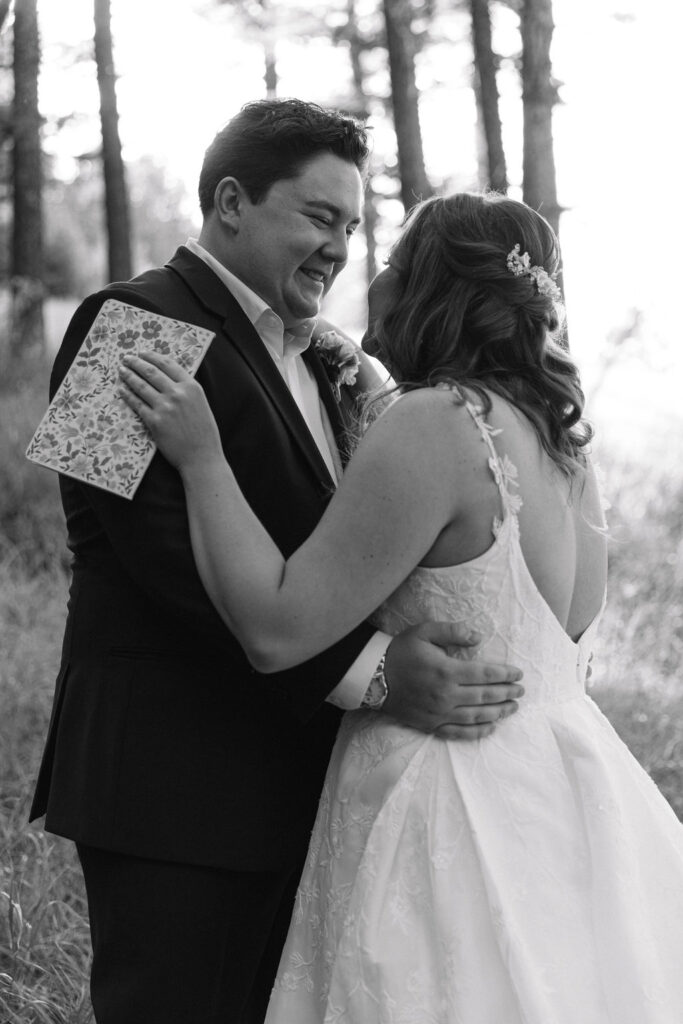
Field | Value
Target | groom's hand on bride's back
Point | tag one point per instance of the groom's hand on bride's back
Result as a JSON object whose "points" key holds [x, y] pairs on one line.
{"points": [[441, 693]]}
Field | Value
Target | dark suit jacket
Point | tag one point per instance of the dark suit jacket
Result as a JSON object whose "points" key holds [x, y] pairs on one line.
{"points": [[163, 741]]}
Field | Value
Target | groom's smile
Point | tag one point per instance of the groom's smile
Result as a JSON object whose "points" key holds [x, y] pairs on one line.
{"points": [[290, 246], [315, 275]]}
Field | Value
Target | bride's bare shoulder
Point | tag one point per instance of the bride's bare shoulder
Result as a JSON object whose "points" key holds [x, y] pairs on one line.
{"points": [[425, 406], [429, 427]]}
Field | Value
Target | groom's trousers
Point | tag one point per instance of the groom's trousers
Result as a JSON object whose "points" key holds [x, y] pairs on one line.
{"points": [[181, 944]]}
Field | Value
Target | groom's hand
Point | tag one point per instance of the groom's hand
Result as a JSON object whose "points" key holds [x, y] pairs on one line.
{"points": [[434, 692]]}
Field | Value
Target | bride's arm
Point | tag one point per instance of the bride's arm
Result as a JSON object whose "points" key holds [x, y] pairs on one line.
{"points": [[395, 498]]}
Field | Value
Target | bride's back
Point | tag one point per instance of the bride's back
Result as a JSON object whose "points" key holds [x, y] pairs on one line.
{"points": [[561, 540]]}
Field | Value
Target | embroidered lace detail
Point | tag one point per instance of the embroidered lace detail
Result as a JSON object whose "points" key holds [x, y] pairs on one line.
{"points": [[535, 876], [503, 470]]}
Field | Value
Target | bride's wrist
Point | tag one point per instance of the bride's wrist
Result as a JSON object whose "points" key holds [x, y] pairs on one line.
{"points": [[201, 468]]}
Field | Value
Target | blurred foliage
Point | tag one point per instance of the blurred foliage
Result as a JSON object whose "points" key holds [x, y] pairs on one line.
{"points": [[159, 223], [645, 598], [44, 940], [75, 246], [75, 241], [639, 653], [31, 519], [76, 257]]}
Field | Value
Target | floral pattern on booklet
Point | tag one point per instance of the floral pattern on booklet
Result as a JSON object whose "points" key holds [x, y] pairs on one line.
{"points": [[88, 431]]}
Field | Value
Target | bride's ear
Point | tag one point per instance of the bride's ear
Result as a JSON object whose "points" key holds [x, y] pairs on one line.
{"points": [[228, 201]]}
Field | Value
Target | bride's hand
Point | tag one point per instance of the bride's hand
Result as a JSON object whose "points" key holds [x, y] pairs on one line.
{"points": [[173, 407]]}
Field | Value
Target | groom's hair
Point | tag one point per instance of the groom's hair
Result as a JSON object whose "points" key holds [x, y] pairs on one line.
{"points": [[271, 140]]}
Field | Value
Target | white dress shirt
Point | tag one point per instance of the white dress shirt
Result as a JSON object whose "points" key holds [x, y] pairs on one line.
{"points": [[286, 348]]}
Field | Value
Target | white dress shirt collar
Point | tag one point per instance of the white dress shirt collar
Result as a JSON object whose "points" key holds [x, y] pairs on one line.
{"points": [[252, 304], [268, 324]]}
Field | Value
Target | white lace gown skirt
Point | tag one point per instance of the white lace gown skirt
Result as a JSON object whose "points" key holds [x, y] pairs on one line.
{"points": [[534, 877]]}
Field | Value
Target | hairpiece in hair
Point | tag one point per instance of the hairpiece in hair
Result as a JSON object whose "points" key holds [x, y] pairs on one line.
{"points": [[520, 265]]}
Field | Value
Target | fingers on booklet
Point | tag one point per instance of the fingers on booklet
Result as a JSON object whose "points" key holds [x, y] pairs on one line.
{"points": [[88, 431]]}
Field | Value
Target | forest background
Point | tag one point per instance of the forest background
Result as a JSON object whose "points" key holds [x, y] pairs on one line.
{"points": [[106, 107]]}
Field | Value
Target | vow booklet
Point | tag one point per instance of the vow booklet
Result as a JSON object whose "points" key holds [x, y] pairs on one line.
{"points": [[88, 431]]}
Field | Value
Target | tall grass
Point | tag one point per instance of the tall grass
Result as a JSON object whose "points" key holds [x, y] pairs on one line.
{"points": [[44, 943], [43, 919], [31, 520], [638, 674]]}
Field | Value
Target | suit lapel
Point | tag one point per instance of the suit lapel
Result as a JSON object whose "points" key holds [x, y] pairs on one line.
{"points": [[314, 362], [240, 332]]}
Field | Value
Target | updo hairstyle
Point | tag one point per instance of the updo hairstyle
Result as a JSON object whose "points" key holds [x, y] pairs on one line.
{"points": [[460, 314]]}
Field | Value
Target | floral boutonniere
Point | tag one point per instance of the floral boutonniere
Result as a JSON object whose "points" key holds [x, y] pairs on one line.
{"points": [[340, 359]]}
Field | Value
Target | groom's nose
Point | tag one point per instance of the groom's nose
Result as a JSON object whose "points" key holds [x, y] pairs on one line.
{"points": [[336, 247]]}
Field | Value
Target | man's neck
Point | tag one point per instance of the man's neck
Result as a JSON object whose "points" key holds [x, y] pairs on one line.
{"points": [[208, 241]]}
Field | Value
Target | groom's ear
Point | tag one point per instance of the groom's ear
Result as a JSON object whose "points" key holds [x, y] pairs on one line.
{"points": [[228, 200]]}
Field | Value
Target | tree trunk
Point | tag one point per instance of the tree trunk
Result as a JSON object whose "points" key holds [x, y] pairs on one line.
{"points": [[481, 147], [539, 95], [270, 73], [27, 336], [487, 94], [268, 31], [115, 190], [361, 111], [404, 99]]}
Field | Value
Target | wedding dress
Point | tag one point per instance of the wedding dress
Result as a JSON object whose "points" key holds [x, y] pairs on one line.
{"points": [[531, 877]]}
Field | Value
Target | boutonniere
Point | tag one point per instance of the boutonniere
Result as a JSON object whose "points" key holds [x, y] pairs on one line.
{"points": [[340, 359]]}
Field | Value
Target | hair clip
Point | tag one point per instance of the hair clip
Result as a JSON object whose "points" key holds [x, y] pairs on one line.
{"points": [[520, 266]]}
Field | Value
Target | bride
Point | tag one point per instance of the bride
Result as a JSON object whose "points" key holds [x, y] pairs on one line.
{"points": [[531, 877]]}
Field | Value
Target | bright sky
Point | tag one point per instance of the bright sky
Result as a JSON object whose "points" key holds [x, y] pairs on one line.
{"points": [[617, 138]]}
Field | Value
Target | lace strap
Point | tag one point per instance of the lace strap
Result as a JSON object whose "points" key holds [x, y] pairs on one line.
{"points": [[503, 470]]}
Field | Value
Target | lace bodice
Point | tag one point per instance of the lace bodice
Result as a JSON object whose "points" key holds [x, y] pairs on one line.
{"points": [[496, 595]]}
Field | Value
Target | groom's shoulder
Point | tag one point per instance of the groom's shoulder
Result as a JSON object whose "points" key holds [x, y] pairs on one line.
{"points": [[157, 290], [151, 290]]}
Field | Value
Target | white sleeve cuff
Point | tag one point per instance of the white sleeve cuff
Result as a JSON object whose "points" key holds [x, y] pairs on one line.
{"points": [[349, 693]]}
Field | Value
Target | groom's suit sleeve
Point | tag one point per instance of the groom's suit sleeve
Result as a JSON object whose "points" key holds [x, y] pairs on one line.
{"points": [[150, 538]]}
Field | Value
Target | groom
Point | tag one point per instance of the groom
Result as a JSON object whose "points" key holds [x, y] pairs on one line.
{"points": [[188, 781]]}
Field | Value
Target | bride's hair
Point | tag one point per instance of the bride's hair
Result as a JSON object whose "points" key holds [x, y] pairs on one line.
{"points": [[460, 313]]}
